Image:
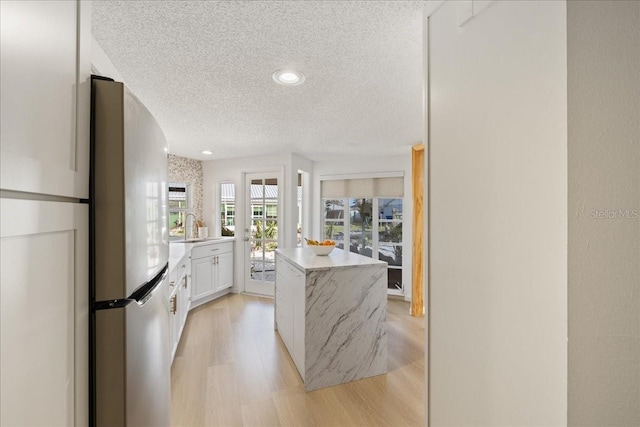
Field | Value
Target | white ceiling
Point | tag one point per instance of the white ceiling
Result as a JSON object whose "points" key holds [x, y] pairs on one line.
{"points": [[204, 70]]}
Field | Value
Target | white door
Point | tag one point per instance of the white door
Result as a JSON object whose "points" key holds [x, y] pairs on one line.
{"points": [[202, 269], [261, 231], [44, 313], [224, 264], [44, 126]]}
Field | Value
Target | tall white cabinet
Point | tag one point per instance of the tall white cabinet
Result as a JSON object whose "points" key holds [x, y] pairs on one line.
{"points": [[43, 313], [45, 65], [44, 168]]}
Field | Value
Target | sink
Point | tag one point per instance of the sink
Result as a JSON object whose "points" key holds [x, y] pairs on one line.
{"points": [[189, 241], [197, 240]]}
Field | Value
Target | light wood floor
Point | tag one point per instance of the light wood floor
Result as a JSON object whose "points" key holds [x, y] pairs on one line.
{"points": [[232, 369]]}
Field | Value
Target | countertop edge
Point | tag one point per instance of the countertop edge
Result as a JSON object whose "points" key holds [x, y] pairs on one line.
{"points": [[178, 250], [285, 254]]}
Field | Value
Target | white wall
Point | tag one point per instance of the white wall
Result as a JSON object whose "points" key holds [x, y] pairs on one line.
{"points": [[233, 170], [369, 165], [498, 215], [604, 178], [299, 163], [101, 64], [188, 171]]}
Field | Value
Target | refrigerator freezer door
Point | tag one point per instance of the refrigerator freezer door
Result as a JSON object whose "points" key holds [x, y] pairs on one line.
{"points": [[132, 364], [148, 362]]}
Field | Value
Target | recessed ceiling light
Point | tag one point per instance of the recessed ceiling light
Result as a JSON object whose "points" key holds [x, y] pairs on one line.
{"points": [[288, 77], [207, 152]]}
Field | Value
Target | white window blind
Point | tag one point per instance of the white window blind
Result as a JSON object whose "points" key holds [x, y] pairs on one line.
{"points": [[363, 187]]}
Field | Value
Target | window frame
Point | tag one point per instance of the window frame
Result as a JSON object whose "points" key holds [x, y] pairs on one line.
{"points": [[345, 221], [182, 212]]}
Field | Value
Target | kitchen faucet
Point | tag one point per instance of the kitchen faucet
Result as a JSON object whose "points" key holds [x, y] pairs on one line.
{"points": [[185, 224]]}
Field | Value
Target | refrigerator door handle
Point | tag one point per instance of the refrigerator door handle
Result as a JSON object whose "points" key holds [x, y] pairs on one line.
{"points": [[145, 292], [112, 303], [140, 296]]}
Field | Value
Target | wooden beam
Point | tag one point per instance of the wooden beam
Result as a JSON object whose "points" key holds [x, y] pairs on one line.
{"points": [[417, 167]]}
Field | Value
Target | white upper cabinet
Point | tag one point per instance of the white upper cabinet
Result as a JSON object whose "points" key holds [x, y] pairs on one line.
{"points": [[45, 69]]}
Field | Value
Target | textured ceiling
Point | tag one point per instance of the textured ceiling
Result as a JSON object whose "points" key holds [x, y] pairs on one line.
{"points": [[204, 70]]}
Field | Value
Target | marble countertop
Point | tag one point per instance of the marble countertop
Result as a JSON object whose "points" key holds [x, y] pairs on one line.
{"points": [[177, 250], [304, 259]]}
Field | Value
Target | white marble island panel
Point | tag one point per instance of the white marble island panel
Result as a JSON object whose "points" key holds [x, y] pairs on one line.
{"points": [[331, 315]]}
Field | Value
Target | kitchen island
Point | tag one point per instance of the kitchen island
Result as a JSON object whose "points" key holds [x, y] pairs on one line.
{"points": [[331, 314]]}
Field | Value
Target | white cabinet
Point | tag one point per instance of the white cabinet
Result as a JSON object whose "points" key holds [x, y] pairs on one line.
{"points": [[290, 310], [197, 276], [284, 306], [298, 293], [202, 269], [45, 65], [43, 313], [45, 68], [185, 298], [174, 336], [224, 264], [179, 301], [212, 269]]}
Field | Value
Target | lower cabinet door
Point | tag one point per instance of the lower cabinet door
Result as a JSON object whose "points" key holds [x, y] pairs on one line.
{"points": [[184, 301], [202, 275], [224, 265], [298, 303], [285, 309], [44, 313], [173, 323]]}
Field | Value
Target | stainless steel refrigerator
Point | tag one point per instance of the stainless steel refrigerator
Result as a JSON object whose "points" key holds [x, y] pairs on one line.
{"points": [[129, 342]]}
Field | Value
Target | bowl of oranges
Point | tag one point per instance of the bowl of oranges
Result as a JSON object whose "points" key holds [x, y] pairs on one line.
{"points": [[323, 248]]}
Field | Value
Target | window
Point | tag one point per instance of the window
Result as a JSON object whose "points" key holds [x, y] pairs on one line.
{"points": [[363, 214], [272, 211], [227, 208], [373, 228], [179, 204], [230, 215], [334, 220], [390, 239]]}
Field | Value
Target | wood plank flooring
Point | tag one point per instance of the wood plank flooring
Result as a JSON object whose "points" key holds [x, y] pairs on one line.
{"points": [[232, 369]]}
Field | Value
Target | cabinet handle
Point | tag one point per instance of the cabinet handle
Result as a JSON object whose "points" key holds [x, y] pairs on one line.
{"points": [[174, 304], [184, 266], [185, 282], [215, 249], [172, 283]]}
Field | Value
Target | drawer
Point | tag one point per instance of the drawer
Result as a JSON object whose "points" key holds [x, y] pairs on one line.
{"points": [[211, 250], [173, 275], [182, 268]]}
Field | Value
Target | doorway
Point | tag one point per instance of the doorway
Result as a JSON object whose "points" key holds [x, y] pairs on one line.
{"points": [[263, 202]]}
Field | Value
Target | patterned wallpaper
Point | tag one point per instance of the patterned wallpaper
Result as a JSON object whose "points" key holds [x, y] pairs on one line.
{"points": [[188, 171]]}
